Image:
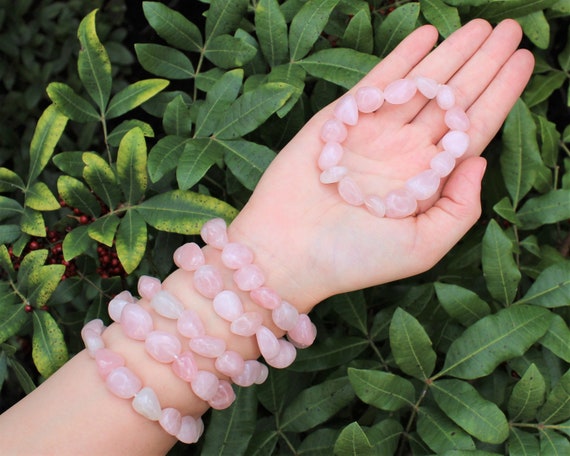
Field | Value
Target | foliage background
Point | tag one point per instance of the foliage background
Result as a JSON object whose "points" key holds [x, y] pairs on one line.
{"points": [[186, 104]]}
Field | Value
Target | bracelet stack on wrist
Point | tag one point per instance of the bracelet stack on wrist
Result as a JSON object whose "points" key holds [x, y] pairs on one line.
{"points": [[137, 323]]}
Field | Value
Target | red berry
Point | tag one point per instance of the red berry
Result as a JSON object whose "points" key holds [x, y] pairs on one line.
{"points": [[83, 219], [28, 308]]}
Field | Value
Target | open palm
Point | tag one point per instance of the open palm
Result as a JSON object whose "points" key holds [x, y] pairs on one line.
{"points": [[301, 229]]}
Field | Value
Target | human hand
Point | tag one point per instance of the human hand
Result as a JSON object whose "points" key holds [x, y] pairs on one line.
{"points": [[306, 236]]}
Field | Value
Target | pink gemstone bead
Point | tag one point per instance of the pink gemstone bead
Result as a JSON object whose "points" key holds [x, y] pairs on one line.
{"points": [[265, 297], [400, 203], [117, 303], [162, 346], [190, 430], [445, 97], [330, 155], [236, 255], [204, 385], [227, 305], [333, 130], [375, 205], [96, 325], [455, 142], [304, 332], [350, 192], [208, 281], [285, 316], [208, 346], [190, 325], [424, 185], [285, 357], [230, 363], [333, 174], [443, 163], [167, 305], [170, 420], [136, 322], [146, 403], [91, 337], [250, 374], [249, 277], [456, 119], [262, 375], [346, 110], [427, 87], [123, 383], [247, 324], [224, 397], [369, 99], [400, 91], [214, 232], [189, 256], [148, 286], [107, 361], [267, 342], [184, 366]]}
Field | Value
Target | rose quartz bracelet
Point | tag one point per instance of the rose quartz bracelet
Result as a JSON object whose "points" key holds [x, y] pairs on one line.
{"points": [[124, 383], [248, 277], [400, 202]]}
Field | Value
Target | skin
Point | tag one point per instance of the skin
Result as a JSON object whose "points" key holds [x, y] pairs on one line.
{"points": [[310, 244]]}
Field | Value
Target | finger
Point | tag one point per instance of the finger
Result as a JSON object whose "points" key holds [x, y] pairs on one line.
{"points": [[473, 77], [459, 207]]}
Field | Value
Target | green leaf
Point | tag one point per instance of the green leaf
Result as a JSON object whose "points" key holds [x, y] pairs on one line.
{"points": [[496, 11], [104, 228], [271, 30], [385, 436], [114, 138], [527, 396], [550, 139], [440, 433], [504, 208], [227, 52], [535, 26], [307, 26], [557, 406], [383, 390], [557, 337], [173, 27], [6, 265], [353, 441], [352, 309], [10, 181], [131, 165], [358, 34], [230, 430], [551, 288], [70, 104], [252, 109], [9, 208], [494, 339], [76, 194], [32, 223], [93, 63], [12, 317], [542, 86], [9, 233], [198, 156], [553, 444], [102, 179], [164, 156], [411, 346], [134, 95], [76, 242], [397, 25], [521, 156], [331, 353], [522, 443], [247, 161], [22, 375], [183, 212], [164, 61], [461, 304], [177, 119], [224, 17], [40, 198], [49, 351], [43, 282], [33, 261], [551, 207], [316, 404], [444, 17], [564, 55], [131, 240], [466, 407], [70, 163], [501, 272], [343, 67], [48, 130], [218, 99]]}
